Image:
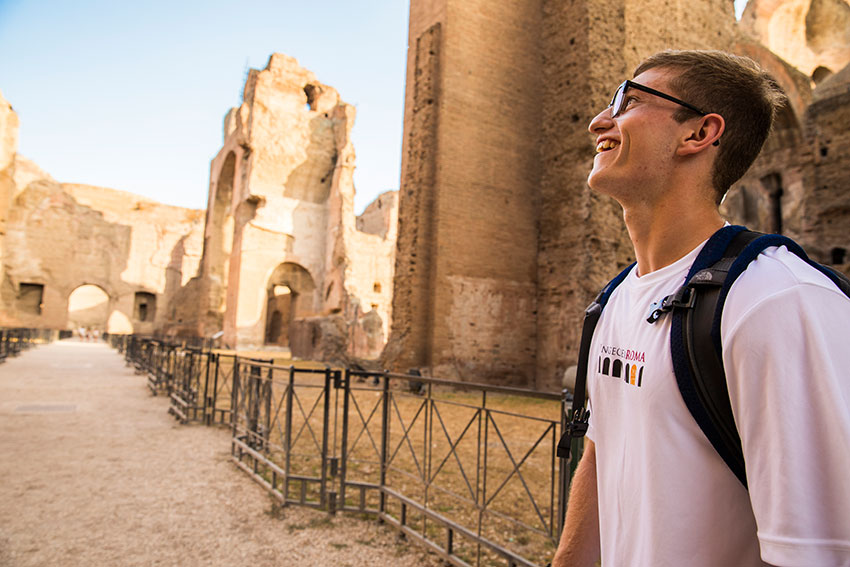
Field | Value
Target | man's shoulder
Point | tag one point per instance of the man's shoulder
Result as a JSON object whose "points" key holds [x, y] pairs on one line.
{"points": [[780, 279], [776, 269]]}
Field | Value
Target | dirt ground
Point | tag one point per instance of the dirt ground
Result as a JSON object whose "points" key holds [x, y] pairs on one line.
{"points": [[93, 471]]}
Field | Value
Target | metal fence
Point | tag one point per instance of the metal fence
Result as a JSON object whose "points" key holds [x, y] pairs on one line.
{"points": [[468, 470], [15, 340], [197, 381]]}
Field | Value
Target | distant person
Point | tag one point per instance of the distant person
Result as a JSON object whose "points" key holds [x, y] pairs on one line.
{"points": [[651, 490]]}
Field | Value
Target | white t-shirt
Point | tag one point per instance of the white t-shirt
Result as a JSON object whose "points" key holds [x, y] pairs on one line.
{"points": [[666, 498]]}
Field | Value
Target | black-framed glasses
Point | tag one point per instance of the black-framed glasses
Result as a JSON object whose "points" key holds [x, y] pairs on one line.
{"points": [[619, 101]]}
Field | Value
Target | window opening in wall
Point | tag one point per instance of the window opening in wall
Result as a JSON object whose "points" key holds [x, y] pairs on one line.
{"points": [[377, 287], [281, 311], [839, 255], [290, 294], [30, 297], [145, 306], [820, 73], [773, 185], [312, 92]]}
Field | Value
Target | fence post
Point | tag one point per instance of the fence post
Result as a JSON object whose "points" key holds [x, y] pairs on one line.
{"points": [[206, 400], [323, 489], [267, 403], [234, 405], [214, 399], [290, 391], [253, 404], [385, 440], [343, 461]]}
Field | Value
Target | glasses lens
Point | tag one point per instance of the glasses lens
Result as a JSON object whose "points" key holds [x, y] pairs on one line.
{"points": [[617, 101]]}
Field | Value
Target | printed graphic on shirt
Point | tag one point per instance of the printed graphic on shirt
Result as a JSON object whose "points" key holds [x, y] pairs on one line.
{"points": [[626, 364]]}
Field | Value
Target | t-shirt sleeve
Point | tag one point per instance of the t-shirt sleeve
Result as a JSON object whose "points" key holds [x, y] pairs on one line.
{"points": [[787, 360]]}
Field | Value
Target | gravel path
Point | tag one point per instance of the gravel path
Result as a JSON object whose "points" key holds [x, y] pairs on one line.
{"points": [[93, 471]]}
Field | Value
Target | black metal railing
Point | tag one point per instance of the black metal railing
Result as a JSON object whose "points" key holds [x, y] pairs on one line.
{"points": [[469, 470], [15, 340]]}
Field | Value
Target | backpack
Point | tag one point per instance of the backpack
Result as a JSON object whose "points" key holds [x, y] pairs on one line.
{"points": [[696, 308]]}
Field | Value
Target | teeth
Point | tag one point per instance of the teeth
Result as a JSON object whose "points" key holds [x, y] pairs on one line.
{"points": [[605, 145]]}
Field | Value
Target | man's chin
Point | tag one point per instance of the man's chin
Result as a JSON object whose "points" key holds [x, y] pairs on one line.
{"points": [[595, 179]]}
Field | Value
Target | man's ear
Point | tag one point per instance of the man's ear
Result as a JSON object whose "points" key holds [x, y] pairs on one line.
{"points": [[705, 133]]}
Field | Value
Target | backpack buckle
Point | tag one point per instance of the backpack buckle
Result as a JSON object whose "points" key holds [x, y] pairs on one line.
{"points": [[684, 298], [576, 428]]}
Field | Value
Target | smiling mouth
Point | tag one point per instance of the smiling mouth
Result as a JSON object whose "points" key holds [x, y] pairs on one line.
{"points": [[606, 145]]}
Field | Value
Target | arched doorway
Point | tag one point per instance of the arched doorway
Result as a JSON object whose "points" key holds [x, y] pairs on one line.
{"points": [[222, 219], [218, 243], [88, 308], [290, 294]]}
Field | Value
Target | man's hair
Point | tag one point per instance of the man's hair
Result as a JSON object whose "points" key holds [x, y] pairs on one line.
{"points": [[734, 87]]}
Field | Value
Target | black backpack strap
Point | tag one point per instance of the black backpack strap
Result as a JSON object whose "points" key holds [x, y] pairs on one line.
{"points": [[579, 415], [695, 334], [697, 360]]}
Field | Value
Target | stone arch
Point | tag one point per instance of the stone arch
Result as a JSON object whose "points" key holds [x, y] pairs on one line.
{"points": [[222, 218], [290, 293], [89, 306], [144, 306], [820, 74]]}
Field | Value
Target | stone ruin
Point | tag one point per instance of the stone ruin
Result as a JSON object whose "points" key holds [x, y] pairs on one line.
{"points": [[286, 262], [480, 267], [80, 256], [278, 260]]}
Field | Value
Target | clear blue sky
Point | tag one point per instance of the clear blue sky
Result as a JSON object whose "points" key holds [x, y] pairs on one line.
{"points": [[132, 95]]}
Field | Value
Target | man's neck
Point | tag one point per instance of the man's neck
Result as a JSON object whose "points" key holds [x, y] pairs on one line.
{"points": [[666, 232]]}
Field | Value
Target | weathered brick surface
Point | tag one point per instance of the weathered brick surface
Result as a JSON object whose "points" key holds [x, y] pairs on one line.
{"points": [[468, 197], [825, 229]]}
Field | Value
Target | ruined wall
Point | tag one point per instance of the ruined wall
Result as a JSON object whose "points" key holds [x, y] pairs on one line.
{"points": [[165, 248], [8, 148], [103, 254], [61, 237], [268, 183], [281, 243], [825, 230], [371, 250], [811, 35], [57, 244], [465, 276]]}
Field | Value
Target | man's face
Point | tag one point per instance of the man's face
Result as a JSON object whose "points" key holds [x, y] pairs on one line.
{"points": [[636, 149]]}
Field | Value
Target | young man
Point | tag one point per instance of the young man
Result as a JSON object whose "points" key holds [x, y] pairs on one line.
{"points": [[650, 489]]}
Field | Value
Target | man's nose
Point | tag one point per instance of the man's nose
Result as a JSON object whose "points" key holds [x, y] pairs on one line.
{"points": [[601, 122]]}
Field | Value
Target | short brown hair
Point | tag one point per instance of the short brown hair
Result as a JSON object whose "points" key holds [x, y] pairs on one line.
{"points": [[734, 87]]}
